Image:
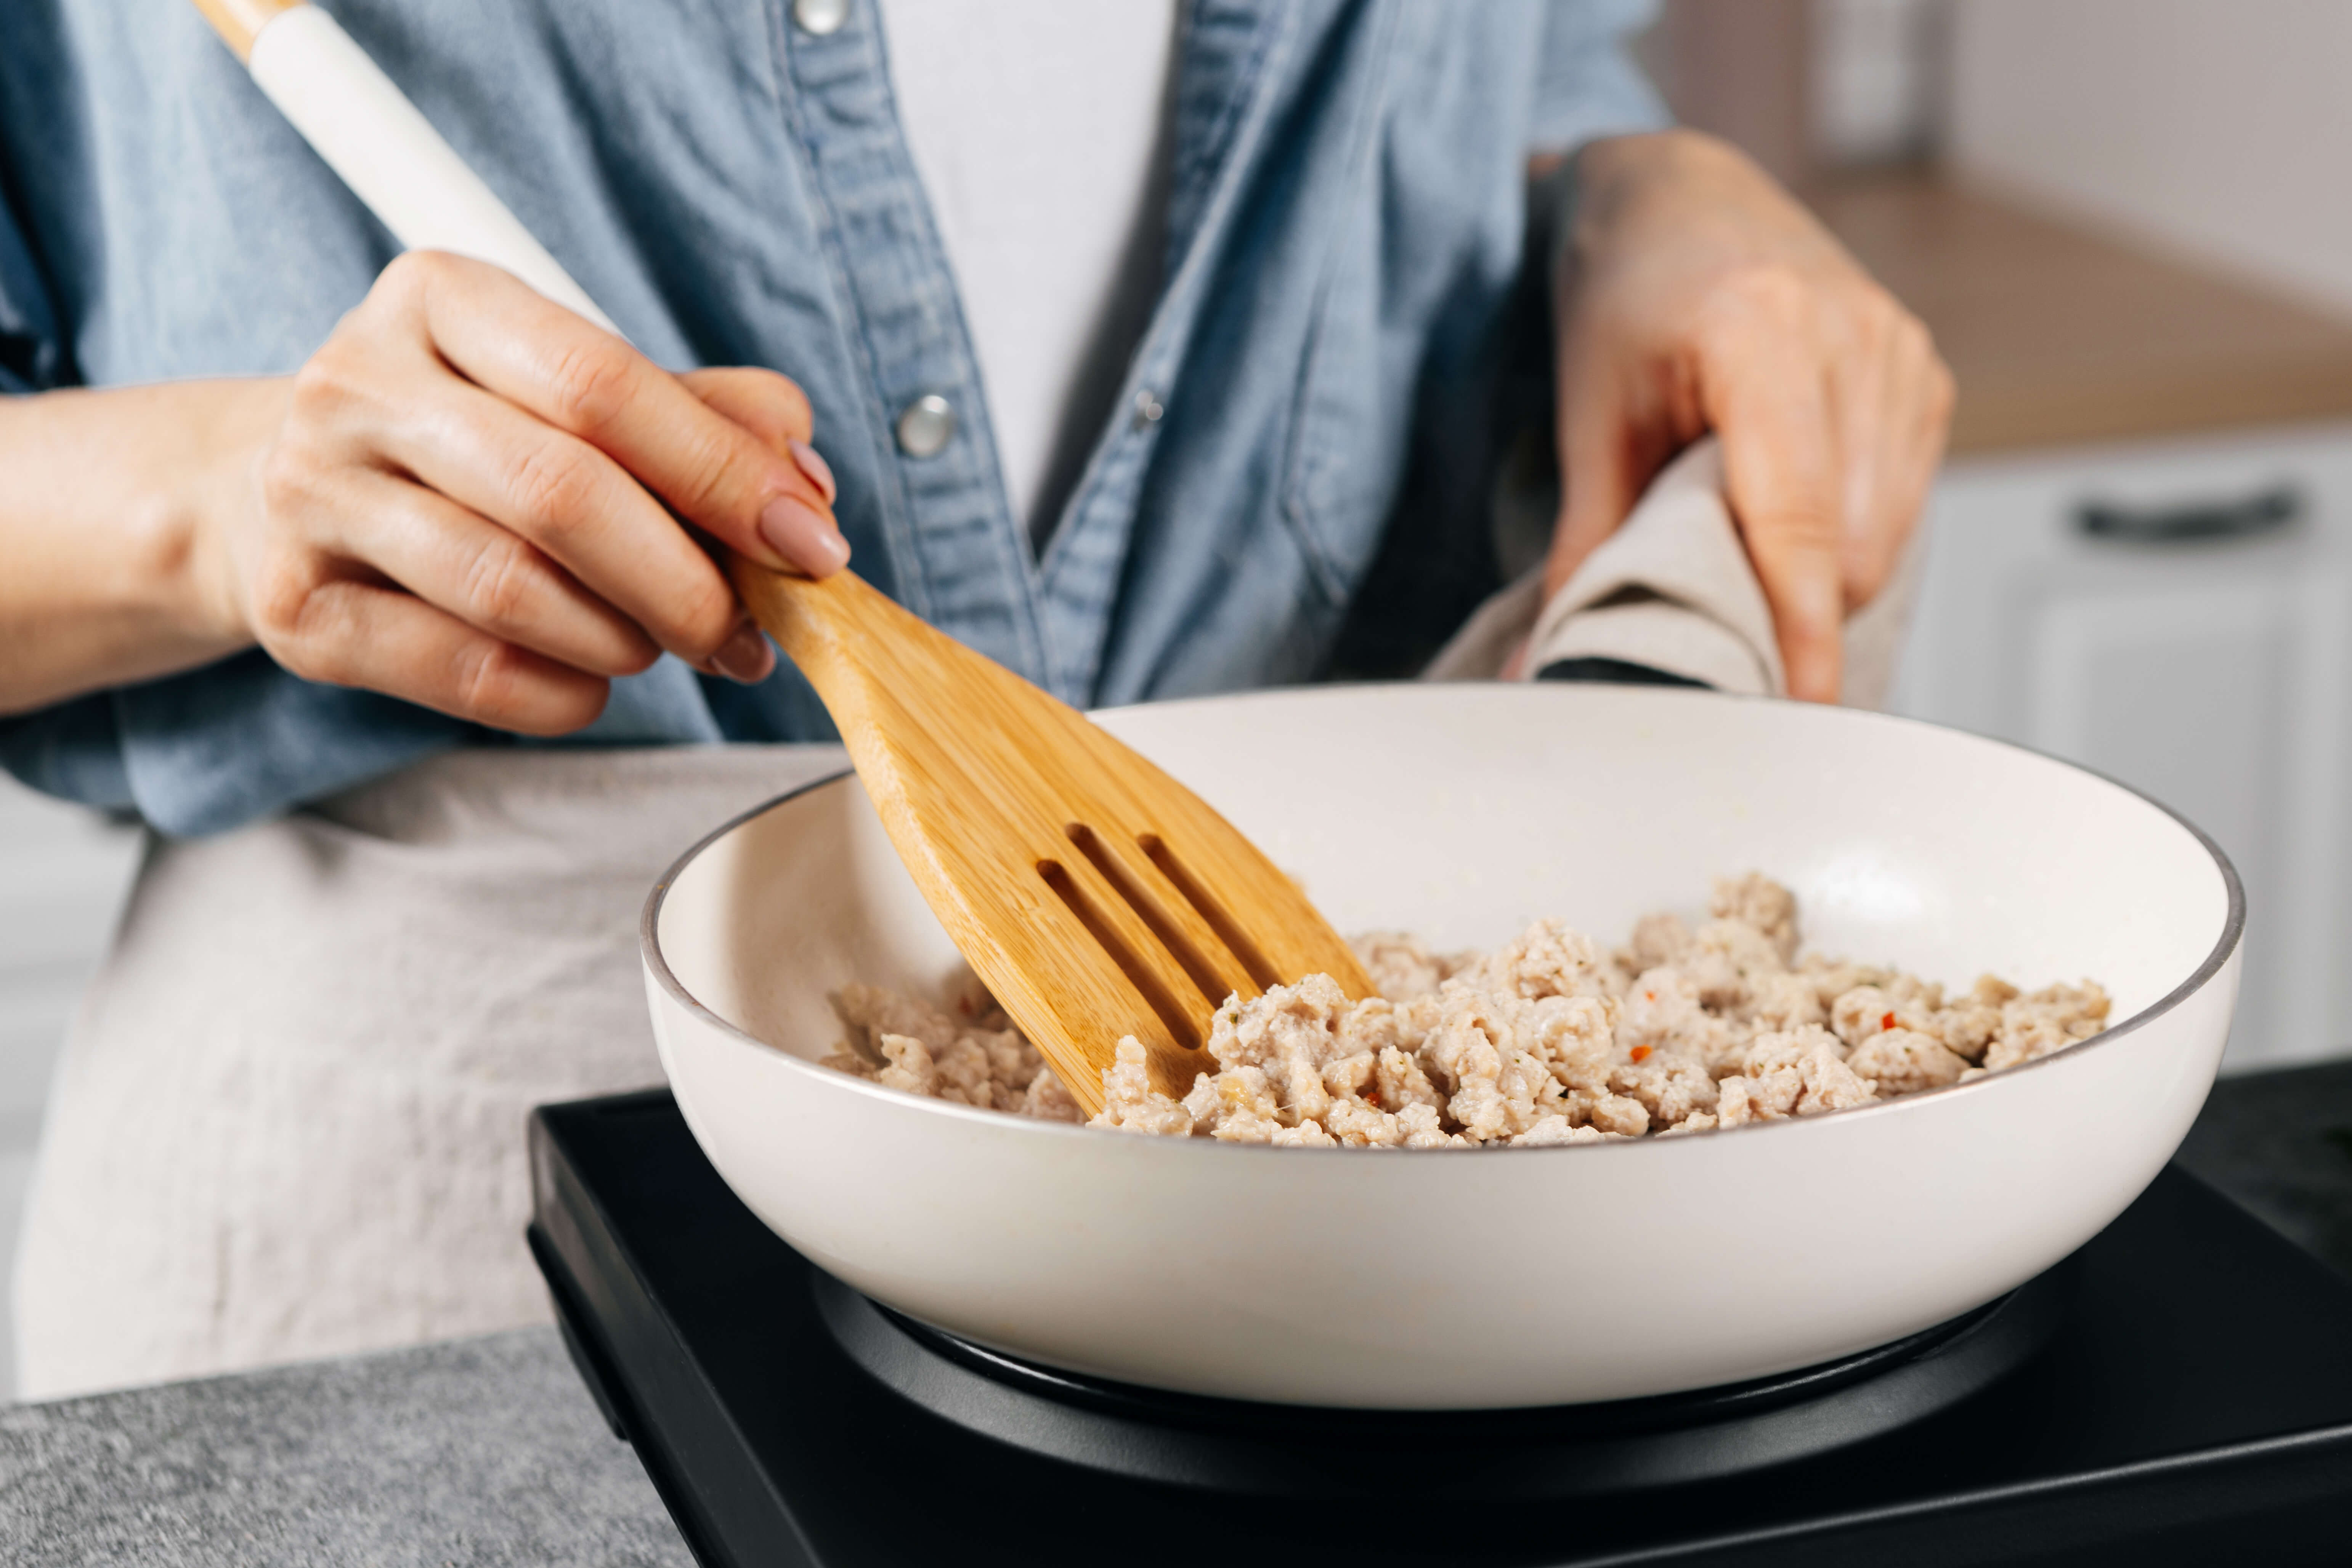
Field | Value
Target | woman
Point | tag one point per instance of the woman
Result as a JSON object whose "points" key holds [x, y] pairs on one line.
{"points": [[1131, 337]]}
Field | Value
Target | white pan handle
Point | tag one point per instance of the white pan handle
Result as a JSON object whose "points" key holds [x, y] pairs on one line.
{"points": [[384, 149]]}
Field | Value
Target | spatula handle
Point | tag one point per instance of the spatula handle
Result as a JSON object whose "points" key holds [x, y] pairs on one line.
{"points": [[384, 149]]}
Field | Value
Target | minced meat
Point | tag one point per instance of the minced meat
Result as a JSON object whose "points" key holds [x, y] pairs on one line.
{"points": [[1544, 1040]]}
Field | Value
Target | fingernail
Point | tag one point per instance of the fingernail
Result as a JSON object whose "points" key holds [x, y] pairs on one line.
{"points": [[745, 657], [804, 536], [819, 471]]}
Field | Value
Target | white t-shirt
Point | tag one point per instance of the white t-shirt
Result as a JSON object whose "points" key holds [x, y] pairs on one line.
{"points": [[1039, 129]]}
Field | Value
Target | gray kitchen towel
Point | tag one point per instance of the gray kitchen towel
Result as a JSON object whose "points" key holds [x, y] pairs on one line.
{"points": [[1673, 590], [289, 1119]]}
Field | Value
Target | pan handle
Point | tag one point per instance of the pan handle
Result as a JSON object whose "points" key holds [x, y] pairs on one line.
{"points": [[2264, 512]]}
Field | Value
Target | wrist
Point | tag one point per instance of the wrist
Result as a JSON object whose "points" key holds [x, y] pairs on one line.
{"points": [[221, 499], [1612, 163], [113, 525]]}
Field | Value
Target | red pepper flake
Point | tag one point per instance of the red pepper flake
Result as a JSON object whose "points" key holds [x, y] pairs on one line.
{"points": [[1886, 1022], [1640, 1053], [1372, 1097]]}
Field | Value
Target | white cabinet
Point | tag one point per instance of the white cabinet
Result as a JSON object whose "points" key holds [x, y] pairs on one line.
{"points": [[2212, 672]]}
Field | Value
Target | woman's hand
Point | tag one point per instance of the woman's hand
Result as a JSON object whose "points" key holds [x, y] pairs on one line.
{"points": [[473, 501], [1696, 294]]}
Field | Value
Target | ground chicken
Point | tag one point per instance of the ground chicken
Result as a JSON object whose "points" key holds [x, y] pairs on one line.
{"points": [[1800, 1072], [1662, 1012], [1783, 1001], [1670, 1088], [1400, 965], [902, 1044], [1763, 906], [2045, 1022], [1904, 1061], [1541, 1042], [1658, 940]]}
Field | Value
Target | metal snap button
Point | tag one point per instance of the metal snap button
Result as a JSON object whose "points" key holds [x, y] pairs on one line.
{"points": [[926, 425], [820, 17], [1148, 408]]}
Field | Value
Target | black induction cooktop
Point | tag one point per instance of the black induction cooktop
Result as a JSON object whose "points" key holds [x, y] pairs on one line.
{"points": [[2179, 1391]]}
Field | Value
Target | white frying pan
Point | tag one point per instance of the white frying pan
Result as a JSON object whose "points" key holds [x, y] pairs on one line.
{"points": [[1486, 1278], [1442, 1279]]}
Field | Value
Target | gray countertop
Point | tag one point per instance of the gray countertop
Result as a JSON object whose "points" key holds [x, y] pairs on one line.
{"points": [[478, 1452], [489, 1451]]}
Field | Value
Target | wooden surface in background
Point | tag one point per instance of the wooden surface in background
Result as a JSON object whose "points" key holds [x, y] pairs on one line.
{"points": [[2060, 336]]}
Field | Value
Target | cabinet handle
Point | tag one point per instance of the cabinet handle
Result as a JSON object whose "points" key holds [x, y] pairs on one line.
{"points": [[2265, 511]]}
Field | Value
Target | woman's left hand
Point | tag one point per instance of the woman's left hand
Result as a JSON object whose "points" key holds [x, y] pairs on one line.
{"points": [[1696, 294]]}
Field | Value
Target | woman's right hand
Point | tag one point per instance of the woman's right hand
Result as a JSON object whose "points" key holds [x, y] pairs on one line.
{"points": [[474, 500]]}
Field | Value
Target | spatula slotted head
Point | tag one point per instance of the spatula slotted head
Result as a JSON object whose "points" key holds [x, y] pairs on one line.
{"points": [[1094, 896]]}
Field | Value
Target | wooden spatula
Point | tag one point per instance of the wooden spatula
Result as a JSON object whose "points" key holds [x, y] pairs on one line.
{"points": [[1093, 895]]}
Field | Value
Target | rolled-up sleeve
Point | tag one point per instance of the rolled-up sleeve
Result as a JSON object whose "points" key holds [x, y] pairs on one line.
{"points": [[32, 352], [1587, 85]]}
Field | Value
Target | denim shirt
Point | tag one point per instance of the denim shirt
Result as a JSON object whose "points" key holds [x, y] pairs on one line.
{"points": [[1347, 210]]}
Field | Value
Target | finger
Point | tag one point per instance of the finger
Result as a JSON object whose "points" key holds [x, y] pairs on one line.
{"points": [[1863, 388], [1781, 473], [751, 399], [570, 501], [771, 406], [488, 577], [1912, 398], [510, 341], [1894, 401], [353, 632]]}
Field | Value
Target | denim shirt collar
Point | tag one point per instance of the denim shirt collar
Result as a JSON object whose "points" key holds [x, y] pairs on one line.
{"points": [[958, 555]]}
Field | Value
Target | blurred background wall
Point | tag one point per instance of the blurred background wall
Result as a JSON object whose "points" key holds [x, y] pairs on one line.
{"points": [[2223, 129], [2214, 129]]}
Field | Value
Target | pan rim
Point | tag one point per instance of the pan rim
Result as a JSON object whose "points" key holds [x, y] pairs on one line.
{"points": [[2224, 947]]}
